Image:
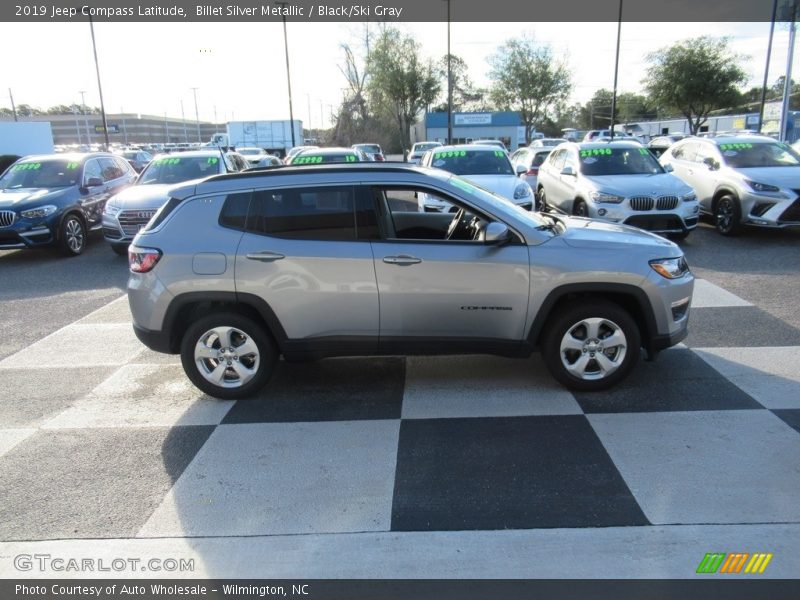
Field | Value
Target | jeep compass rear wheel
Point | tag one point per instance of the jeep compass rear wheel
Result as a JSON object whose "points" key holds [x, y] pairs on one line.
{"points": [[228, 356], [591, 345]]}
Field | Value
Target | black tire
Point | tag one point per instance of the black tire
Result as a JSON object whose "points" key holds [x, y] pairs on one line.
{"points": [[728, 216], [611, 317], [120, 249], [579, 208], [72, 236], [262, 362]]}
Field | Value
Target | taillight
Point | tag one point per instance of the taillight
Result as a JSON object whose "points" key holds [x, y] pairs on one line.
{"points": [[379, 158], [533, 171], [142, 260]]}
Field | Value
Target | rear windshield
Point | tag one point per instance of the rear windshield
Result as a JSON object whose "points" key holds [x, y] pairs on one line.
{"points": [[473, 162], [747, 155], [52, 173], [175, 169], [618, 161], [424, 147], [370, 148]]}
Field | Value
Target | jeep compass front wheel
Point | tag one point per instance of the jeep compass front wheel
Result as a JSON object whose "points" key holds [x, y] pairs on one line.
{"points": [[228, 356], [591, 345]]}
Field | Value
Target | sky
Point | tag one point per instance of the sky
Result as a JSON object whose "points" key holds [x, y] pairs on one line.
{"points": [[240, 74]]}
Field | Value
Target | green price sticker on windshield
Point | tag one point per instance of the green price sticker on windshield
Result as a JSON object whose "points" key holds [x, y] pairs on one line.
{"points": [[351, 158], [167, 161], [27, 167], [644, 151], [72, 166], [307, 160], [212, 161], [595, 152], [499, 153], [738, 146]]}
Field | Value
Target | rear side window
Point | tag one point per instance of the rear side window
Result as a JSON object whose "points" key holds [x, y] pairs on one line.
{"points": [[557, 159], [162, 214], [234, 211], [314, 213]]}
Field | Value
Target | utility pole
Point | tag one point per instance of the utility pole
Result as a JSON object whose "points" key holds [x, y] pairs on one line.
{"points": [[787, 82], [183, 118], [85, 118], [77, 124], [288, 76], [616, 73], [99, 85], [13, 106], [450, 83], [196, 115], [766, 67]]}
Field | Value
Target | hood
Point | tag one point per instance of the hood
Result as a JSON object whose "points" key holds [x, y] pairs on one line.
{"points": [[591, 234], [661, 184], [23, 197], [786, 177], [142, 196], [151, 195], [504, 185]]}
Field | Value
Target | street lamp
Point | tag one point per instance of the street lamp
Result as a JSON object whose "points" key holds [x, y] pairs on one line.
{"points": [[616, 72], [449, 82], [99, 85], [288, 77], [766, 67], [85, 118], [196, 114]]}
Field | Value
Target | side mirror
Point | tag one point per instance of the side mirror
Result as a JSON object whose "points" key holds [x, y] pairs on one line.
{"points": [[568, 171], [520, 169], [669, 168], [712, 164], [497, 233], [93, 182]]}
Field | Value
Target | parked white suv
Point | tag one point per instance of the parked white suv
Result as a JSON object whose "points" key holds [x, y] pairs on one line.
{"points": [[621, 182]]}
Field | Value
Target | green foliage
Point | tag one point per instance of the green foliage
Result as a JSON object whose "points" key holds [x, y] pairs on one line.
{"points": [[695, 77], [527, 78], [401, 83]]}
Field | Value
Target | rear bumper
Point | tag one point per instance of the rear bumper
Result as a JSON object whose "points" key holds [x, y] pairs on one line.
{"points": [[155, 340]]}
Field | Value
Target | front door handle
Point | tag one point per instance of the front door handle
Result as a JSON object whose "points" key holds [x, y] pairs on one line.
{"points": [[402, 260], [265, 256]]}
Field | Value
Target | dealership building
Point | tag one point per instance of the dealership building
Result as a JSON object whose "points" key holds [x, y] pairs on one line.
{"points": [[471, 126]]}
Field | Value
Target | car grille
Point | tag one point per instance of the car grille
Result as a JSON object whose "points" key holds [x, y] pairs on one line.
{"points": [[132, 221], [641, 203], [660, 223], [667, 203], [792, 213], [7, 218]]}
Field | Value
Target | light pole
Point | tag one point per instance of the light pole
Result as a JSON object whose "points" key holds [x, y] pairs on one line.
{"points": [[616, 73], [449, 82], [766, 67], [85, 118], [183, 118], [77, 124], [196, 114], [99, 85], [288, 76], [13, 106]]}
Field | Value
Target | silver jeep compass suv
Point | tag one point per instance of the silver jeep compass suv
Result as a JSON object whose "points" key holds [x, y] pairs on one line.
{"points": [[335, 260]]}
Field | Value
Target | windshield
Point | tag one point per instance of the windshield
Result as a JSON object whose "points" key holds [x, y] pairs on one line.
{"points": [[473, 162], [496, 201], [618, 161], [747, 155], [424, 147], [175, 169], [40, 174], [311, 158]]}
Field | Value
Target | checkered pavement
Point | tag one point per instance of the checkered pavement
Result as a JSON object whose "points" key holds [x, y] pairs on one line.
{"points": [[101, 438]]}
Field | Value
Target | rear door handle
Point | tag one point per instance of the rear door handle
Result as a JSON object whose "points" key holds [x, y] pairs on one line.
{"points": [[402, 260], [265, 256]]}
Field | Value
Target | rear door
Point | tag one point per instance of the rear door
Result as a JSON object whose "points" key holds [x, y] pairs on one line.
{"points": [[301, 254]]}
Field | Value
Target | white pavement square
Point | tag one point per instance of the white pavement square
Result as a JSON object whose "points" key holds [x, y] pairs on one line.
{"points": [[708, 295], [143, 396], [269, 479], [706, 467], [482, 386], [771, 375], [11, 437], [75, 345]]}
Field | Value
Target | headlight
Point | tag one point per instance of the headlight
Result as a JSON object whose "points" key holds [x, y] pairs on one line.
{"points": [[36, 213], [670, 268], [606, 198], [762, 187], [523, 191], [112, 210], [690, 197]]}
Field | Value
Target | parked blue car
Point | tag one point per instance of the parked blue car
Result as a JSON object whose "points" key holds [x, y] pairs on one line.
{"points": [[57, 199]]}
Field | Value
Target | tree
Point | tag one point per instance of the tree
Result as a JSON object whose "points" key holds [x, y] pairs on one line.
{"points": [[695, 77], [465, 94], [401, 83], [634, 107], [528, 79]]}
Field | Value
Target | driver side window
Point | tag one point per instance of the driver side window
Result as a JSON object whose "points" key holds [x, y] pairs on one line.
{"points": [[410, 213]]}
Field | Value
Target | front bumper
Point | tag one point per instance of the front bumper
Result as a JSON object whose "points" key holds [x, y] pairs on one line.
{"points": [[681, 219], [29, 233], [123, 227], [769, 211]]}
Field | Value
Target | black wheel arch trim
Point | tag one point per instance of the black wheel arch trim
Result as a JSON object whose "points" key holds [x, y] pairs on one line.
{"points": [[649, 332], [259, 305]]}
